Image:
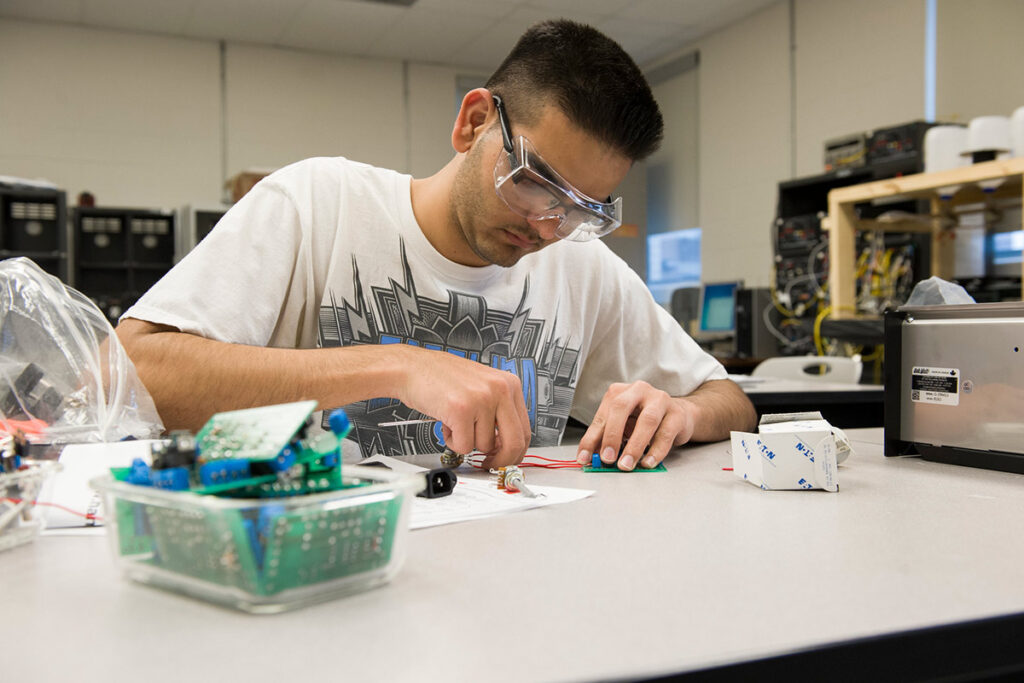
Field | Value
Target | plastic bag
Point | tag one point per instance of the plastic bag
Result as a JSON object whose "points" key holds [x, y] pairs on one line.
{"points": [[64, 376], [936, 291]]}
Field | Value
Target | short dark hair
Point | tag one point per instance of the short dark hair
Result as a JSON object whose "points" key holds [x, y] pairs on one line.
{"points": [[591, 79]]}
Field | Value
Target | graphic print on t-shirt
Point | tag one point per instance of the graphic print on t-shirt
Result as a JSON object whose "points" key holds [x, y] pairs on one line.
{"points": [[465, 326]]}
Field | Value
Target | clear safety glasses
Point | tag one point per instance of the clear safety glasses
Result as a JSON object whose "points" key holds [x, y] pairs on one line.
{"points": [[534, 190]]}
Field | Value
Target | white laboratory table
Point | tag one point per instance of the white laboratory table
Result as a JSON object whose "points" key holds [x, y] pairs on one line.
{"points": [[656, 573]]}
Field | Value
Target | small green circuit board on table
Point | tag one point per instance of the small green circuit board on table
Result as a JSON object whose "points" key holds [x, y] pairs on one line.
{"points": [[614, 468]]}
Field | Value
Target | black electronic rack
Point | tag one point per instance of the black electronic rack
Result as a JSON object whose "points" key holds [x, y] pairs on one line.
{"points": [[33, 224], [120, 253]]}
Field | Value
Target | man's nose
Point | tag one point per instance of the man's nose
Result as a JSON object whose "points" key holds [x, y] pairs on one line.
{"points": [[545, 227]]}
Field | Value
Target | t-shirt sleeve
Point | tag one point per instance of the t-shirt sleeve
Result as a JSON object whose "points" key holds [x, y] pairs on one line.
{"points": [[636, 339], [233, 286]]}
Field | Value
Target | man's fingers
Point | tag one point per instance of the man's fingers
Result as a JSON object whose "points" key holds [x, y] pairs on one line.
{"points": [[592, 438], [483, 434], [512, 438], [648, 422], [620, 408], [461, 430]]}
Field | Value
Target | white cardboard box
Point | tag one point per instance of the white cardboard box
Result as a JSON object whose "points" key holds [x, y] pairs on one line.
{"points": [[795, 454]]}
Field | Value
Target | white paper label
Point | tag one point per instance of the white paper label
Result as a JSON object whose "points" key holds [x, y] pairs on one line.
{"points": [[935, 385]]}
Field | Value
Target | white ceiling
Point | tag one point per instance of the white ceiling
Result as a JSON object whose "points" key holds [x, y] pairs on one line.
{"points": [[465, 33]]}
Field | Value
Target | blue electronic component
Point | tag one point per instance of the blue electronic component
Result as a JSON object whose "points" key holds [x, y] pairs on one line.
{"points": [[595, 461], [174, 479], [285, 459], [140, 474], [268, 513], [223, 471], [339, 423], [139, 520], [259, 529], [258, 548]]}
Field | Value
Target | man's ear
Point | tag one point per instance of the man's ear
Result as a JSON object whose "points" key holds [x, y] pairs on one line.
{"points": [[474, 118]]}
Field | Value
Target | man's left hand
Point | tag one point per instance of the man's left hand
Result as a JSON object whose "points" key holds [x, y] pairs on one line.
{"points": [[634, 418]]}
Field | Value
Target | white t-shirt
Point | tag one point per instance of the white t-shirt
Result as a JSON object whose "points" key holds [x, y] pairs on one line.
{"points": [[327, 252]]}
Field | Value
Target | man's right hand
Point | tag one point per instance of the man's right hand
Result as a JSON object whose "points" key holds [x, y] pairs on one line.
{"points": [[480, 408]]}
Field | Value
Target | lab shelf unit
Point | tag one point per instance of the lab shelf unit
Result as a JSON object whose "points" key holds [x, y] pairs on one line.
{"points": [[120, 253], [33, 224], [843, 220]]}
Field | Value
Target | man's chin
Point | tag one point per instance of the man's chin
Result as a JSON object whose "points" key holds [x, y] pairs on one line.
{"points": [[502, 252], [504, 255]]}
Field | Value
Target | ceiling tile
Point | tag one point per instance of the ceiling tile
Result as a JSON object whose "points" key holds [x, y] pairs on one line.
{"points": [[636, 33], [654, 51], [426, 35], [345, 27], [708, 14], [487, 50], [482, 8], [44, 10], [573, 8], [258, 21], [154, 16], [676, 12]]}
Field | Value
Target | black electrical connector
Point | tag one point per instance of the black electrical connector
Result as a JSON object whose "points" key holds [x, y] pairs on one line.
{"points": [[440, 482], [178, 451]]}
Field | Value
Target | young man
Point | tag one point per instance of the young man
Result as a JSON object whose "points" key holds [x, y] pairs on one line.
{"points": [[477, 296]]}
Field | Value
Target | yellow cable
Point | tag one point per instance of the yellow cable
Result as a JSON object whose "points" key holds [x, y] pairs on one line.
{"points": [[818, 345]]}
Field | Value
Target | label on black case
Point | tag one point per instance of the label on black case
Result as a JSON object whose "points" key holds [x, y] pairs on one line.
{"points": [[935, 385]]}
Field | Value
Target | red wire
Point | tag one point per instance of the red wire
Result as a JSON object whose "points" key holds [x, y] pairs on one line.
{"points": [[550, 463], [87, 515]]}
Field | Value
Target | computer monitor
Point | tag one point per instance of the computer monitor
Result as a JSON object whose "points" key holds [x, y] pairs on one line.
{"points": [[718, 309], [1004, 252]]}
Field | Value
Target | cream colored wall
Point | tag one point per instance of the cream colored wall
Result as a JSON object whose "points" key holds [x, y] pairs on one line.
{"points": [[135, 119], [431, 118], [859, 66], [287, 105], [673, 198], [744, 143], [979, 58]]}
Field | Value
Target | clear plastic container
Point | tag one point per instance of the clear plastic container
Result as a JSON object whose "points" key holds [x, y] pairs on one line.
{"points": [[20, 520], [262, 555]]}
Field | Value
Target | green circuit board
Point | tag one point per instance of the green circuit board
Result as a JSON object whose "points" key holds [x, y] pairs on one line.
{"points": [[311, 546], [613, 468], [266, 549]]}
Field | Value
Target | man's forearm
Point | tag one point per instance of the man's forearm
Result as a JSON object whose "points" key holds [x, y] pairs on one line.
{"points": [[191, 378], [721, 407]]}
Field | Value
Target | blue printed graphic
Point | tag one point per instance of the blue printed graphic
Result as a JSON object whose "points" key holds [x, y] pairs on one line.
{"points": [[806, 450]]}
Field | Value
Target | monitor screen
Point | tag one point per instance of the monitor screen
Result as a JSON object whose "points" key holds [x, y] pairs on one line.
{"points": [[718, 307], [1006, 247], [673, 261]]}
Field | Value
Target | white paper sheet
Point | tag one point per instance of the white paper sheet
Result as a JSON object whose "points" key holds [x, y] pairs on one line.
{"points": [[66, 497], [476, 498]]}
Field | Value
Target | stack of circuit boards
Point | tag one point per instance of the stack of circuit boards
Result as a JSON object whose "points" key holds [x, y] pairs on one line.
{"points": [[254, 512]]}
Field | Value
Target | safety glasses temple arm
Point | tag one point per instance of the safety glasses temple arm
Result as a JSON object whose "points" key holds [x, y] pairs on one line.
{"points": [[506, 130]]}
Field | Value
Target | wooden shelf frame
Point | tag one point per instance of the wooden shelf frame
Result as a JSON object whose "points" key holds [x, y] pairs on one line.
{"points": [[843, 224]]}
